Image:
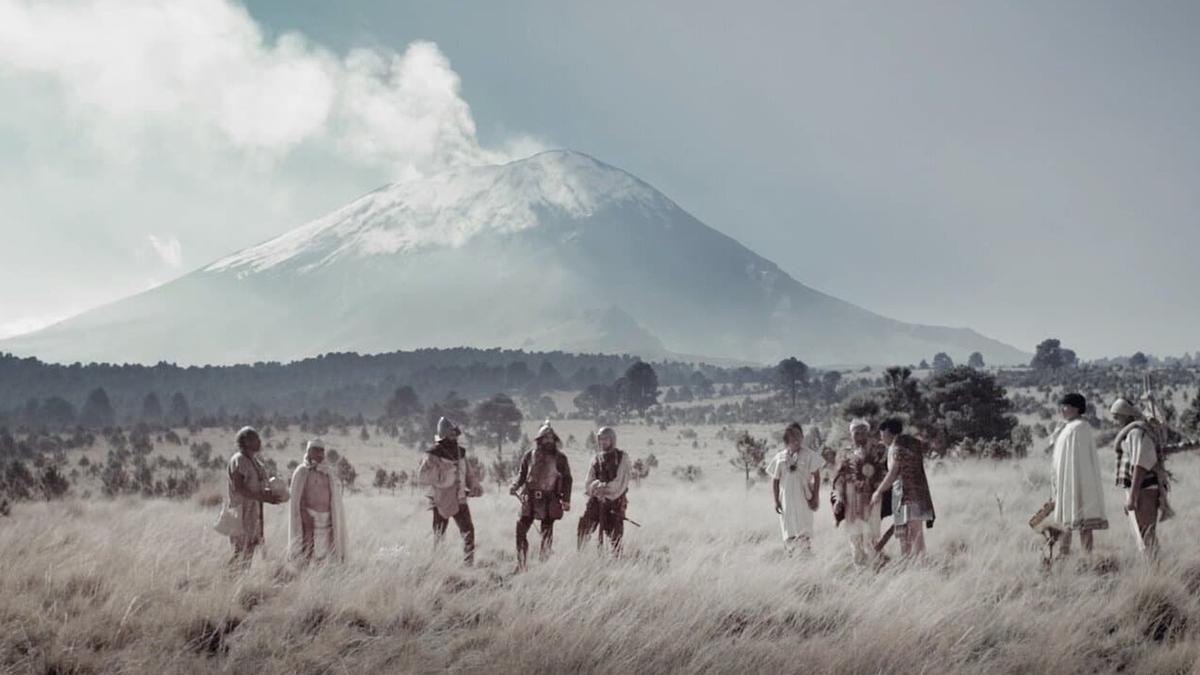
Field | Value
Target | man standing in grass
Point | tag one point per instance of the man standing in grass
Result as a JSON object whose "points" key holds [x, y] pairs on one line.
{"points": [[1141, 473], [544, 486], [317, 527], [606, 485], [795, 484], [912, 503], [860, 470], [445, 472], [1078, 495], [247, 486]]}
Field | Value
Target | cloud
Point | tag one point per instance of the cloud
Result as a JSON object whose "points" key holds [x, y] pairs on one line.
{"points": [[132, 70], [122, 117], [169, 250]]}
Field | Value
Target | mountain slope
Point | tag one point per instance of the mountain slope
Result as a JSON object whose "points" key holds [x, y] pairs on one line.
{"points": [[557, 251]]}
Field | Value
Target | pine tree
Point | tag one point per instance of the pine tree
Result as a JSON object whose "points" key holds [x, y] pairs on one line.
{"points": [[97, 411]]}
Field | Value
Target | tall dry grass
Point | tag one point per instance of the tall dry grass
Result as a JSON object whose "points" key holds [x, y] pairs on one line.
{"points": [[140, 586]]}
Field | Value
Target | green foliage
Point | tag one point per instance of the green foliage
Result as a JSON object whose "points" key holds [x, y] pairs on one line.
{"points": [[57, 413], [966, 403], [97, 411], [403, 404], [903, 396], [750, 452], [346, 473], [152, 410], [16, 482], [791, 374], [1051, 355], [1191, 417], [688, 474], [499, 419], [865, 406], [595, 400], [638, 388], [179, 414], [52, 483]]}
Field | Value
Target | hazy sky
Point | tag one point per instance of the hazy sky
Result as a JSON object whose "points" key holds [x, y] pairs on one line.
{"points": [[1025, 169]]}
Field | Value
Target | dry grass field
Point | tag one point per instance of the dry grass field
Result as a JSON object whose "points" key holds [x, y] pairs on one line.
{"points": [[136, 585]]}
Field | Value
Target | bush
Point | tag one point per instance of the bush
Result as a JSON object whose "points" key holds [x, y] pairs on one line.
{"points": [[689, 474]]}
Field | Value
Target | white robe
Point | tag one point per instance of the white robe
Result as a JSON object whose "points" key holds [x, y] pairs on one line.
{"points": [[1078, 491], [794, 491], [337, 517]]}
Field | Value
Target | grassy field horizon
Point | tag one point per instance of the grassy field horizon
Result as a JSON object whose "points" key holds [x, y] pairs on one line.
{"points": [[705, 585]]}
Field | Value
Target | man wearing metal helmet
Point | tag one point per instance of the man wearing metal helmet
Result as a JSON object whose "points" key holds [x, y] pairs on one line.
{"points": [[606, 486], [544, 486], [450, 480]]}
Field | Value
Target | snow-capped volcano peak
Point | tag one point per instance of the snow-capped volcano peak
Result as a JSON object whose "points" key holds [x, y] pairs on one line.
{"points": [[556, 251], [450, 209]]}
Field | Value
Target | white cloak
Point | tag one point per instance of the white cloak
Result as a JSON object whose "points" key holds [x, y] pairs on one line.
{"points": [[337, 513], [1078, 495], [796, 521]]}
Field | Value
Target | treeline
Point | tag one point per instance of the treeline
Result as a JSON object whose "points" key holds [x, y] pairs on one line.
{"points": [[33, 393]]}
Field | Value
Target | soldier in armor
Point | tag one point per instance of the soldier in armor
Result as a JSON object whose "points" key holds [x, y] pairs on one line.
{"points": [[544, 486], [606, 487], [450, 480]]}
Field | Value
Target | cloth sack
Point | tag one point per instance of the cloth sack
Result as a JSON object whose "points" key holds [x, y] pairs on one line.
{"points": [[229, 522]]}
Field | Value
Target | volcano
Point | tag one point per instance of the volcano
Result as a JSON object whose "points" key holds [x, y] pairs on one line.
{"points": [[557, 251]]}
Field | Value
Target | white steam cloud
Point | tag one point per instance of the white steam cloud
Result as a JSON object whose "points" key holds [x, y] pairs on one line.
{"points": [[168, 250], [204, 68], [122, 117]]}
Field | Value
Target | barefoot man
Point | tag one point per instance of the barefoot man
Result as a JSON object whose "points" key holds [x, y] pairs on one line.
{"points": [[317, 527], [795, 483]]}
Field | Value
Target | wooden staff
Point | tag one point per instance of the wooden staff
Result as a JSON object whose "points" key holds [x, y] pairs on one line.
{"points": [[887, 536]]}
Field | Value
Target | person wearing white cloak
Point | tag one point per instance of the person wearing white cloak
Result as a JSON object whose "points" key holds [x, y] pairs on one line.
{"points": [[317, 527], [1078, 495], [796, 481]]}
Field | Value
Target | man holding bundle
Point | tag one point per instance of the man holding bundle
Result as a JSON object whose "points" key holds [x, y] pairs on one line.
{"points": [[1078, 496]]}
